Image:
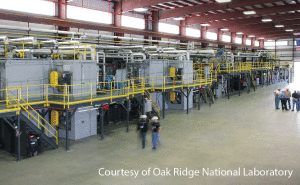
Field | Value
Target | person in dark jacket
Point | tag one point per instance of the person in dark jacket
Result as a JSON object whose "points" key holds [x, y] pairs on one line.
{"points": [[142, 129], [295, 97], [283, 99], [155, 131]]}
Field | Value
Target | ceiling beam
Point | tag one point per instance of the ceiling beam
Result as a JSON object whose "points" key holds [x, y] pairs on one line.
{"points": [[177, 12], [128, 5], [238, 14], [85, 25], [254, 20]]}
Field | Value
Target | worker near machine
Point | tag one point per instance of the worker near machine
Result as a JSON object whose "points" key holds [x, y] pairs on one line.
{"points": [[295, 97], [298, 92], [156, 128], [277, 98], [142, 129], [288, 96], [283, 99]]}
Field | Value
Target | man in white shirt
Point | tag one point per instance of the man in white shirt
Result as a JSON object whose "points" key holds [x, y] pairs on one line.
{"points": [[277, 99]]}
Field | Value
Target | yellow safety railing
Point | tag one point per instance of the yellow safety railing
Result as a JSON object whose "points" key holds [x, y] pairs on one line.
{"points": [[40, 124], [155, 105], [67, 95]]}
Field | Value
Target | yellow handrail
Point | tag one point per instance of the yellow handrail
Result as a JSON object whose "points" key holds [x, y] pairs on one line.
{"points": [[37, 119], [156, 107]]}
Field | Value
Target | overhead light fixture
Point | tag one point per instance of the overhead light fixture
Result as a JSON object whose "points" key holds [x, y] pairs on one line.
{"points": [[179, 18], [205, 24], [251, 36], [270, 40], [140, 9], [239, 33], [224, 29], [296, 33], [289, 30], [279, 26], [223, 1], [266, 20], [261, 38], [249, 12]]}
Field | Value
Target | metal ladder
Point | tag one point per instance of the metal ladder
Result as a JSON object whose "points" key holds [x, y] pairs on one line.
{"points": [[155, 107]]}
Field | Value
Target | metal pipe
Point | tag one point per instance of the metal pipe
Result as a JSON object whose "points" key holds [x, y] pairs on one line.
{"points": [[180, 57], [138, 54], [24, 39], [103, 65], [52, 42]]}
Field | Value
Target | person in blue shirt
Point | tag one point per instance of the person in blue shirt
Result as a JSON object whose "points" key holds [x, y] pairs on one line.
{"points": [[156, 128], [283, 99]]}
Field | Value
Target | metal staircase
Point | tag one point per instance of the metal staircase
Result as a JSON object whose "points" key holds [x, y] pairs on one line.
{"points": [[25, 115], [155, 107]]}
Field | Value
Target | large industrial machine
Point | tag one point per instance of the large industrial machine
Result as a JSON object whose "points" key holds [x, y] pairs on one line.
{"points": [[80, 69]]}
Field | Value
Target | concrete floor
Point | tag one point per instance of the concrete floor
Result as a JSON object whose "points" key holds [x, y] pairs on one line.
{"points": [[243, 132]]}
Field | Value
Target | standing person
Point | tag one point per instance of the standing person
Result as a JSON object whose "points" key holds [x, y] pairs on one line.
{"points": [[277, 98], [295, 97], [298, 92], [155, 131], [283, 100], [142, 129], [288, 96]]}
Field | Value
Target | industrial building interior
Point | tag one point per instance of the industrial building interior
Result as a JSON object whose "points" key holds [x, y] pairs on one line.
{"points": [[76, 75]]}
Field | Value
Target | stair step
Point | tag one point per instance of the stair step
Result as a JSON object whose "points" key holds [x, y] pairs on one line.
{"points": [[38, 131]]}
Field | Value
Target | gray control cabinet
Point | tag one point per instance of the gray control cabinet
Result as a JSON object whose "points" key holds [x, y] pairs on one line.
{"points": [[83, 124]]}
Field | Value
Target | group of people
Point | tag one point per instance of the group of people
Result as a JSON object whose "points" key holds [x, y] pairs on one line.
{"points": [[142, 129], [285, 97]]}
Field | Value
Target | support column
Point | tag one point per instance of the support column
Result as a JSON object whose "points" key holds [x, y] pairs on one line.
{"points": [[182, 32], [210, 98], [233, 41], [163, 103], [62, 13], [117, 19], [203, 36], [244, 40], [253, 42], [220, 37], [187, 99], [155, 20], [143, 105], [272, 76], [239, 84], [199, 99], [262, 78], [146, 28], [261, 43], [268, 80], [228, 86], [127, 117], [67, 129], [102, 122], [203, 32], [182, 28], [19, 139]]}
